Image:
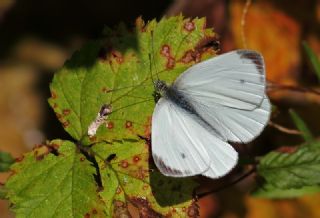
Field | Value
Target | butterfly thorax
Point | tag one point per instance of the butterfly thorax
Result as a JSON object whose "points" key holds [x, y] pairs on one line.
{"points": [[172, 94]]}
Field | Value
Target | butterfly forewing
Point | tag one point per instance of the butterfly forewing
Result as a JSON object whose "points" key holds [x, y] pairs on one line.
{"points": [[235, 79]]}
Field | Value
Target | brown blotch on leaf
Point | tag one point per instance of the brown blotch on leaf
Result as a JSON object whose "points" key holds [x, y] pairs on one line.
{"points": [[187, 57], [93, 138], [55, 105], [82, 159], [66, 111], [65, 124], [165, 51], [140, 24], [170, 63], [87, 215], [120, 209], [105, 90], [110, 125], [53, 94], [124, 164], [189, 26], [128, 124], [145, 210]]}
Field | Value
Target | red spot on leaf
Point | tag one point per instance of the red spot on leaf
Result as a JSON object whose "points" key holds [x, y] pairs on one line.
{"points": [[82, 159], [193, 210], [128, 124], [136, 158], [19, 159], [110, 125], [65, 124], [53, 94], [94, 211], [189, 26], [165, 51], [118, 56], [124, 164], [66, 111]]}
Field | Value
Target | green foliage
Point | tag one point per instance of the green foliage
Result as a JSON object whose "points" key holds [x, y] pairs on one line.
{"points": [[48, 185], [290, 174], [313, 59], [306, 133], [57, 180], [6, 160]]}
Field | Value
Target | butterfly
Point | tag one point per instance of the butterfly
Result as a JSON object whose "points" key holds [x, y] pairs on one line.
{"points": [[212, 103]]}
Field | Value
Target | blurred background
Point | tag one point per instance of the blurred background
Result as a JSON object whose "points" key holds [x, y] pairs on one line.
{"points": [[36, 37]]}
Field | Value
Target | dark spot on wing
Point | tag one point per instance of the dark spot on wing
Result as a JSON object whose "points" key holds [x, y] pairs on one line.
{"points": [[183, 155], [166, 169], [255, 57]]}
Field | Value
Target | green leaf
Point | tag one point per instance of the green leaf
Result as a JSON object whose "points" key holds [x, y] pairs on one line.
{"points": [[269, 191], [291, 170], [313, 59], [128, 179], [306, 133], [6, 160], [58, 184], [119, 73]]}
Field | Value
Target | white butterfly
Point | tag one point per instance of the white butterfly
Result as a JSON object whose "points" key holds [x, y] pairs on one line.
{"points": [[219, 100]]}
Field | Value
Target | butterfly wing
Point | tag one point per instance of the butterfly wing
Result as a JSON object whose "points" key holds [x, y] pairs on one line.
{"points": [[179, 143], [232, 98], [235, 79]]}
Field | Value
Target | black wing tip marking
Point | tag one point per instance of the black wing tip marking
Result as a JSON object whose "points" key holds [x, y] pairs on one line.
{"points": [[255, 57], [166, 170]]}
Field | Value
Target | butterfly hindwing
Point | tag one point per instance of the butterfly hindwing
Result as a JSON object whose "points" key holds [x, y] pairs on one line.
{"points": [[180, 143]]}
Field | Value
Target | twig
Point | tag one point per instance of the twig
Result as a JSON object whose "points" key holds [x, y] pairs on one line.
{"points": [[243, 22], [284, 129], [201, 195]]}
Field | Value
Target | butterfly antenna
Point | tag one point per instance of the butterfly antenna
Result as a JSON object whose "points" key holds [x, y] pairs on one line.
{"points": [[152, 52]]}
